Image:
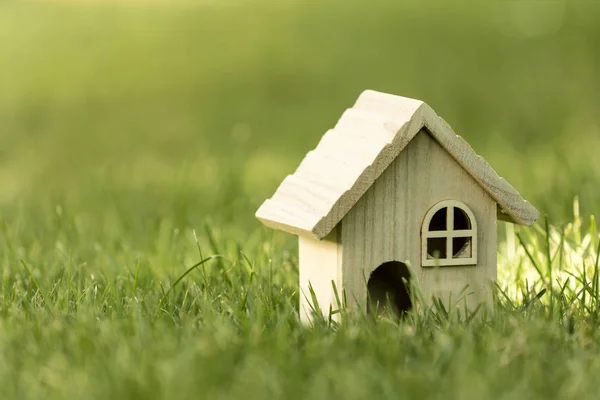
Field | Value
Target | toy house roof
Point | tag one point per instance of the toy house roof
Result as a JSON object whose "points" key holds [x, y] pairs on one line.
{"points": [[352, 155]]}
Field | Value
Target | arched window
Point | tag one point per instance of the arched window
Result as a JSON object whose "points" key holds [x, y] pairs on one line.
{"points": [[449, 235]]}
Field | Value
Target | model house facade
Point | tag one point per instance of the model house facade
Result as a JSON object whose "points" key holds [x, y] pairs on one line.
{"points": [[391, 188]]}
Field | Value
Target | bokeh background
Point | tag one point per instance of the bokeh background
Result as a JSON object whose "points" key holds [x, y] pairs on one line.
{"points": [[139, 137], [196, 111]]}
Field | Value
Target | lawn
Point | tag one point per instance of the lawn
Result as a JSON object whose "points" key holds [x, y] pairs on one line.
{"points": [[137, 141]]}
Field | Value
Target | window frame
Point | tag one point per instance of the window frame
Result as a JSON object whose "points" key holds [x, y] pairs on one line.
{"points": [[449, 234]]}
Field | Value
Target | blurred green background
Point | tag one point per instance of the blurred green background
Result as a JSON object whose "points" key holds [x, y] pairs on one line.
{"points": [[138, 138], [198, 111]]}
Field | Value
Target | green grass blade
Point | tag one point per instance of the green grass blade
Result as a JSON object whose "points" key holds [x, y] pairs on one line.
{"points": [[189, 270]]}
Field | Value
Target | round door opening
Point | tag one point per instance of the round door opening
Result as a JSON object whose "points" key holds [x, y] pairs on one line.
{"points": [[387, 291]]}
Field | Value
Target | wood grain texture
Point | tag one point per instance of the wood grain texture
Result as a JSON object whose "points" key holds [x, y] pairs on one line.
{"points": [[320, 267], [385, 225], [349, 158]]}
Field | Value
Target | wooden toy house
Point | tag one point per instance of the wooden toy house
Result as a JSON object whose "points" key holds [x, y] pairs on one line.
{"points": [[391, 184]]}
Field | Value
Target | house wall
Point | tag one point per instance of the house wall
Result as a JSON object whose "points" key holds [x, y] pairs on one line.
{"points": [[385, 225], [320, 265]]}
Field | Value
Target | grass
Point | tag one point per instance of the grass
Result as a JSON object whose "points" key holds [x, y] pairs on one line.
{"points": [[109, 318], [136, 142]]}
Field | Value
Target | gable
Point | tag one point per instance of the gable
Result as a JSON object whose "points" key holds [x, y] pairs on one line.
{"points": [[349, 158], [385, 224]]}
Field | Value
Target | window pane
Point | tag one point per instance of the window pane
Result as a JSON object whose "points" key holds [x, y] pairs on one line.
{"points": [[436, 248], [438, 222], [461, 247], [461, 220]]}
